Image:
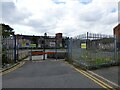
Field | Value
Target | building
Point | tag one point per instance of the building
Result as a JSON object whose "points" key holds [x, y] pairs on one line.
{"points": [[59, 39], [56, 41], [23, 41], [117, 33]]}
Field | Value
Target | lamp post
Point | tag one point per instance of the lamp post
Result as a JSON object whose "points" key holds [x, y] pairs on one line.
{"points": [[45, 34]]}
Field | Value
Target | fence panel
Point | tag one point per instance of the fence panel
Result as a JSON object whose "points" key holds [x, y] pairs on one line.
{"points": [[7, 50], [0, 51], [93, 51]]}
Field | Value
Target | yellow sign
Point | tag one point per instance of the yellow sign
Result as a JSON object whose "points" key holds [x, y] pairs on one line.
{"points": [[32, 45], [23, 44], [83, 45]]}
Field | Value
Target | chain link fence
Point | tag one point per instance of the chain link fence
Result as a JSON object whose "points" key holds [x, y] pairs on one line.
{"points": [[93, 51]]}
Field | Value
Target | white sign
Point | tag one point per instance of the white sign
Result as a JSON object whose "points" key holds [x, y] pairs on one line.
{"points": [[52, 44]]}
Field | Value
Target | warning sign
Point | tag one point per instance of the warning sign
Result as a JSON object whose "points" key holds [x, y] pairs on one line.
{"points": [[83, 45]]}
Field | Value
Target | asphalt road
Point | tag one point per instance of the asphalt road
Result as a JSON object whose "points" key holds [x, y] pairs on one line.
{"points": [[47, 74]]}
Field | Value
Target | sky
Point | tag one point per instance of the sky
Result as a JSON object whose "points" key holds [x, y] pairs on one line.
{"points": [[70, 17]]}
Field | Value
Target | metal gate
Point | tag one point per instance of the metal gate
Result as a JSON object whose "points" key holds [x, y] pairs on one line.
{"points": [[93, 51], [8, 50]]}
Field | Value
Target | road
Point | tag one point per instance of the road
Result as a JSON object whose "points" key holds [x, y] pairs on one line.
{"points": [[47, 74], [110, 73]]}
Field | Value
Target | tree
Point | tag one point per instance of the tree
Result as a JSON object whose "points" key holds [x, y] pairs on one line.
{"points": [[6, 30]]}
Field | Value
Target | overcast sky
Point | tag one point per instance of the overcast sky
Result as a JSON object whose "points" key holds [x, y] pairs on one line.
{"points": [[70, 17]]}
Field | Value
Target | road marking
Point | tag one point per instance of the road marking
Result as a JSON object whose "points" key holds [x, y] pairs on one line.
{"points": [[104, 78], [92, 79], [12, 69], [96, 80]]}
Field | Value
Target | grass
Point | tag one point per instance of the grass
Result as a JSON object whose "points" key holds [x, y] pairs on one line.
{"points": [[95, 60]]}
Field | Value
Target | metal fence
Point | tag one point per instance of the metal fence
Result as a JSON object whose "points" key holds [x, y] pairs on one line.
{"points": [[93, 51], [16, 48], [118, 48], [11, 52], [0, 52], [7, 50]]}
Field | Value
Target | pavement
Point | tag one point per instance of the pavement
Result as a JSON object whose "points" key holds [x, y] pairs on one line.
{"points": [[47, 74], [109, 73]]}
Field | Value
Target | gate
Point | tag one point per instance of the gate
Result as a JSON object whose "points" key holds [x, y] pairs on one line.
{"points": [[93, 51], [40, 47], [8, 50]]}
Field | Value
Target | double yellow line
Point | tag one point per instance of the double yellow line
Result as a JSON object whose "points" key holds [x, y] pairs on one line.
{"points": [[12, 69], [96, 80], [93, 78]]}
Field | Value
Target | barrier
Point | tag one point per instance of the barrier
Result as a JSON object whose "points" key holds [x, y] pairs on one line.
{"points": [[36, 53], [41, 53]]}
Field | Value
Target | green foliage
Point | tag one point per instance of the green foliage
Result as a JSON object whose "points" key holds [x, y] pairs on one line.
{"points": [[4, 57], [6, 30], [86, 56]]}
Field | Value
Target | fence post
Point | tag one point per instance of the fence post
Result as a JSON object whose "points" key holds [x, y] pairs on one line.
{"points": [[115, 48], [67, 49], [30, 54], [70, 41], [87, 41], [56, 48], [14, 48], [0, 50]]}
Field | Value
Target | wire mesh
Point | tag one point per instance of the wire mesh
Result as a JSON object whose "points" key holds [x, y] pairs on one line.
{"points": [[93, 51]]}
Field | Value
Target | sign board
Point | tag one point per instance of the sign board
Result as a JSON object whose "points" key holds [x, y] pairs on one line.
{"points": [[32, 45], [52, 44], [24, 44], [83, 45]]}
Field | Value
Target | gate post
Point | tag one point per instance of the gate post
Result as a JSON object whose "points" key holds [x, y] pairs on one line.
{"points": [[15, 57], [30, 54], [115, 48]]}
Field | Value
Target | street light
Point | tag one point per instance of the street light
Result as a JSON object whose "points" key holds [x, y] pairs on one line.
{"points": [[45, 34]]}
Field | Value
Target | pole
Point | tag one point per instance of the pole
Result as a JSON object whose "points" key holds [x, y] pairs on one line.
{"points": [[44, 49], [30, 53], [14, 48], [115, 47], [67, 49], [45, 34], [17, 48], [87, 42], [56, 48]]}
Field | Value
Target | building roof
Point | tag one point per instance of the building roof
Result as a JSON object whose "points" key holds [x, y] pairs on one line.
{"points": [[117, 27]]}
